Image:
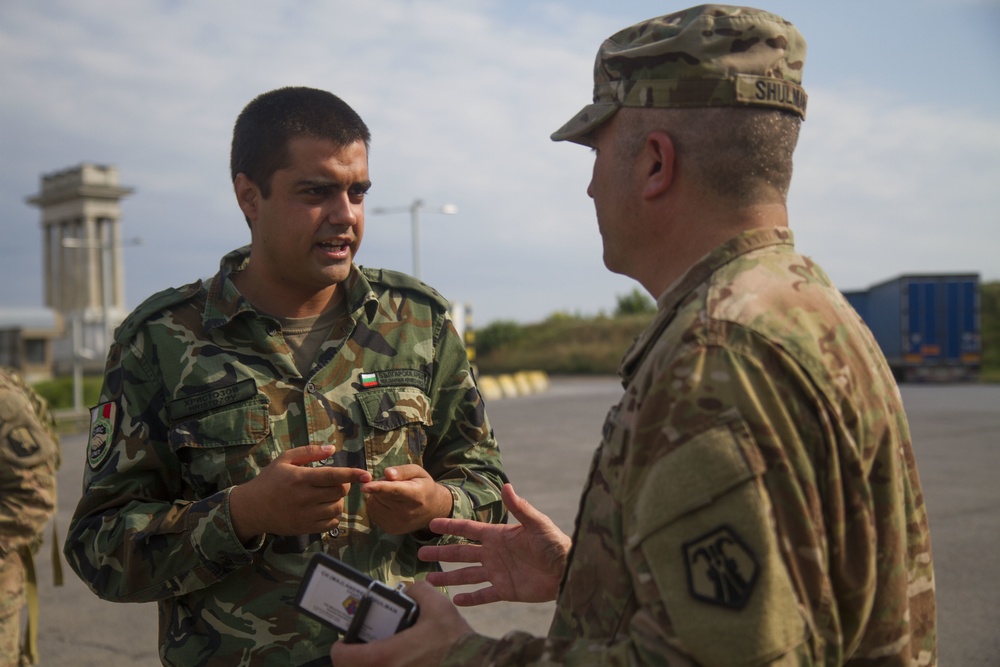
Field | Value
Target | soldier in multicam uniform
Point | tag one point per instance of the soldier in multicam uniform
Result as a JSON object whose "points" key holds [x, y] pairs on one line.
{"points": [[755, 499], [29, 457], [295, 403]]}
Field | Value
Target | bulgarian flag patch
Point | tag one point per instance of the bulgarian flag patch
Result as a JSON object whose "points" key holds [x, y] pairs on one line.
{"points": [[369, 380]]}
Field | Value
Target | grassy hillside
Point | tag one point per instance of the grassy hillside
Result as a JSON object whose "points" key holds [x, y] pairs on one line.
{"points": [[562, 344], [565, 344]]}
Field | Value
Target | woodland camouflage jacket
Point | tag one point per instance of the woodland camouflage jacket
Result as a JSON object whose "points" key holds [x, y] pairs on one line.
{"points": [[201, 393]]}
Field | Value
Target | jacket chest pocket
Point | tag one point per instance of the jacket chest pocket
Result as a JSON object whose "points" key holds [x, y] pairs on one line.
{"points": [[396, 420], [597, 553], [223, 448]]}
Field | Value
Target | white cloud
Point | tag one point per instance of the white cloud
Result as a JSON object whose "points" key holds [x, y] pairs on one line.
{"points": [[884, 186], [461, 98]]}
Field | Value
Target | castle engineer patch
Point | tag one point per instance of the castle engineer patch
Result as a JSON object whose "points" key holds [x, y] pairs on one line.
{"points": [[721, 569]]}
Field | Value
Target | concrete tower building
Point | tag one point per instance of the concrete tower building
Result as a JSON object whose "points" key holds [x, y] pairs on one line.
{"points": [[82, 257]]}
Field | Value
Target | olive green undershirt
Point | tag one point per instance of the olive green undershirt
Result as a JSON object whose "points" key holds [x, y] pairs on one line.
{"points": [[305, 335]]}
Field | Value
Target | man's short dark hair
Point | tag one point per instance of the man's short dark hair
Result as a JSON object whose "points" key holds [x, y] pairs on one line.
{"points": [[265, 126], [742, 154]]}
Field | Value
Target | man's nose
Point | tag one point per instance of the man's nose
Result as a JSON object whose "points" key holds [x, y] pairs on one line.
{"points": [[344, 212]]}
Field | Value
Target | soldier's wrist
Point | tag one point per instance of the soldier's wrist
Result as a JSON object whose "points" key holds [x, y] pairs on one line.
{"points": [[241, 518]]}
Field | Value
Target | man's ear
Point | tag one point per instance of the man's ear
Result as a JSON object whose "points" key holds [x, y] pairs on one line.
{"points": [[658, 164], [247, 196]]}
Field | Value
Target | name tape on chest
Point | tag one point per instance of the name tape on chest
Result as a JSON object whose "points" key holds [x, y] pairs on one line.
{"points": [[396, 377], [204, 401]]}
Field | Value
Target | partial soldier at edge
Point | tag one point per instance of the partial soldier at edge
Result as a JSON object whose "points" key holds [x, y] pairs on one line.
{"points": [[29, 459]]}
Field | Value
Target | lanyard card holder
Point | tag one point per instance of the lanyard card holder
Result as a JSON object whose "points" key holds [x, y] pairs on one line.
{"points": [[362, 608]]}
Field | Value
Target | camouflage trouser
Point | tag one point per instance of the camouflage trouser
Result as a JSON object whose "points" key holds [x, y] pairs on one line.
{"points": [[12, 603], [10, 640]]}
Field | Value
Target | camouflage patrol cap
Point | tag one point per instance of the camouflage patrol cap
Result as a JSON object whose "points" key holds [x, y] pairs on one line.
{"points": [[706, 56]]}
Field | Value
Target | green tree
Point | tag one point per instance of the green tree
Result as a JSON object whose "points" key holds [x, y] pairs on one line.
{"points": [[636, 302], [497, 335], [58, 392], [989, 320]]}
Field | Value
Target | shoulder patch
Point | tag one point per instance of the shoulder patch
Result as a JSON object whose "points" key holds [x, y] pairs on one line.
{"points": [[23, 443], [721, 569], [103, 421], [28, 424], [28, 446], [153, 305], [403, 281], [703, 526]]}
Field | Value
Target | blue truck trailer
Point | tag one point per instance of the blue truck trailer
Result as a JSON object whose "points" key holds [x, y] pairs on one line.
{"points": [[926, 324]]}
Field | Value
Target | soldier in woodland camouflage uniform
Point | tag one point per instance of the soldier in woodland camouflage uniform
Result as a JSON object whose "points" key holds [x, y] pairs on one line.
{"points": [[295, 403], [755, 499], [29, 457]]}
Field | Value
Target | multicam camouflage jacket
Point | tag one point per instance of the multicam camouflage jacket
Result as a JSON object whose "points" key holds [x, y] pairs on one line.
{"points": [[29, 457], [755, 499], [201, 393]]}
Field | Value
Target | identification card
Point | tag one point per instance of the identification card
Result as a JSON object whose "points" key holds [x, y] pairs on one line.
{"points": [[362, 608]]}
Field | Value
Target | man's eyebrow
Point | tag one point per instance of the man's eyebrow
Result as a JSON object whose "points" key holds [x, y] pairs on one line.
{"points": [[317, 183], [331, 183]]}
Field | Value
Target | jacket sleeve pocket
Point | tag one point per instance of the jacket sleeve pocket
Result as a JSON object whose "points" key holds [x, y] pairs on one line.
{"points": [[706, 546]]}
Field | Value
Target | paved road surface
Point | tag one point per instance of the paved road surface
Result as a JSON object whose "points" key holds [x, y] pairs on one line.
{"points": [[548, 440]]}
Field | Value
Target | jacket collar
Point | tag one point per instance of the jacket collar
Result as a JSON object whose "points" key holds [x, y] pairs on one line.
{"points": [[684, 287], [225, 303]]}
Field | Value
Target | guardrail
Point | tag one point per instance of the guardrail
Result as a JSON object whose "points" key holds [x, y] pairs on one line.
{"points": [[510, 385]]}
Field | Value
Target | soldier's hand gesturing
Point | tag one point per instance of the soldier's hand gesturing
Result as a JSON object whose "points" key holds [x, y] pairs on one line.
{"points": [[289, 497], [406, 499], [522, 562]]}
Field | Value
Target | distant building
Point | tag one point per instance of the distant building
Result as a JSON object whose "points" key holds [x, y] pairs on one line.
{"points": [[84, 281], [26, 340]]}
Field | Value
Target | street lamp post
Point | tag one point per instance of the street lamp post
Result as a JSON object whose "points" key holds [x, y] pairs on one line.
{"points": [[414, 208], [81, 353]]}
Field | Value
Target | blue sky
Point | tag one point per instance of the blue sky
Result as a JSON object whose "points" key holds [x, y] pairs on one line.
{"points": [[897, 171]]}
